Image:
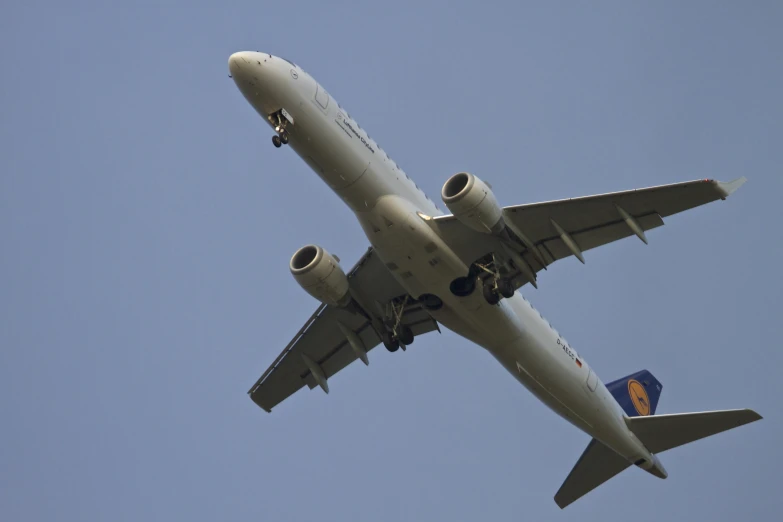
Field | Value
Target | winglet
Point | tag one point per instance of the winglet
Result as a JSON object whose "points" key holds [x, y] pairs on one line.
{"points": [[728, 187]]}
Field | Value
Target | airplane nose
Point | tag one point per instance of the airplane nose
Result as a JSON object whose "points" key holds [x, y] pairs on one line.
{"points": [[258, 79], [237, 60]]}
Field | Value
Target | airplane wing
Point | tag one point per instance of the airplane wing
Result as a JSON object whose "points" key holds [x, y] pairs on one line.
{"points": [[548, 231], [321, 348]]}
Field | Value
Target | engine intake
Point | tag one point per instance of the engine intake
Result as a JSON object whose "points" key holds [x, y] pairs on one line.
{"points": [[473, 203], [320, 275]]}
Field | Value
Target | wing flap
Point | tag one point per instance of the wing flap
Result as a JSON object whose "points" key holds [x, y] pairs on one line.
{"points": [[586, 213], [599, 236], [343, 354]]}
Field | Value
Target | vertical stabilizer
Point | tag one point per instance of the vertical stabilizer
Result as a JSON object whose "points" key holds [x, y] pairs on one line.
{"points": [[637, 393]]}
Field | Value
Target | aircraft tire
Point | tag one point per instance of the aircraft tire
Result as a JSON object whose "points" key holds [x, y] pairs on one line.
{"points": [[406, 335], [505, 288], [390, 343]]}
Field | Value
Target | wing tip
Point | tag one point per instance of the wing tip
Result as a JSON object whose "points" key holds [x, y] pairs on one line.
{"points": [[728, 187], [753, 415]]}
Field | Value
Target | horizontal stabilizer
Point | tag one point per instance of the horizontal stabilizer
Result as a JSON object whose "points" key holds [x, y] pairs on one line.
{"points": [[597, 464], [663, 432]]}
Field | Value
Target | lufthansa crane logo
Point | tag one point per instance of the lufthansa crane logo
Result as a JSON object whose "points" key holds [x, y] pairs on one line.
{"points": [[639, 397]]}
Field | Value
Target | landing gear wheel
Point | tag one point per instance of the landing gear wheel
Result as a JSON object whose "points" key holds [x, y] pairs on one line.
{"points": [[431, 302], [405, 335], [284, 137], [463, 286], [505, 288], [277, 141], [490, 294], [390, 343]]}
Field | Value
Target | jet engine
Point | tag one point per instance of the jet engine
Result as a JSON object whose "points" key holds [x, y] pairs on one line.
{"points": [[473, 203], [319, 273]]}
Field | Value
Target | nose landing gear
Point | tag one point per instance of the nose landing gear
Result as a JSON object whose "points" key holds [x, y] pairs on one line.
{"points": [[280, 119]]}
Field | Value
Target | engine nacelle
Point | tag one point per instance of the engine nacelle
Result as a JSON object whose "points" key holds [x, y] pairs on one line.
{"points": [[318, 272], [473, 203]]}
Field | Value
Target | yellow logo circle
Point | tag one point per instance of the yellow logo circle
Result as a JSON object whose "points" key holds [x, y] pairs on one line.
{"points": [[639, 397]]}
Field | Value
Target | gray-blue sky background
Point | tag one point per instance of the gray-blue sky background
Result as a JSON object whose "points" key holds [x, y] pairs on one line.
{"points": [[146, 223]]}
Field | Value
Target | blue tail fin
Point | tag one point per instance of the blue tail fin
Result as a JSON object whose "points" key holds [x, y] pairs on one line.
{"points": [[637, 393]]}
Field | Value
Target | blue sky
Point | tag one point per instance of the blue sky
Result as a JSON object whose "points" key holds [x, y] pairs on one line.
{"points": [[146, 223]]}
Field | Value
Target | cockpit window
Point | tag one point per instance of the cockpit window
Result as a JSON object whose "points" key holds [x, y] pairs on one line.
{"points": [[289, 61]]}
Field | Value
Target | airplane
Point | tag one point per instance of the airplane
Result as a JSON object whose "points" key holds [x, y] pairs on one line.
{"points": [[463, 270]]}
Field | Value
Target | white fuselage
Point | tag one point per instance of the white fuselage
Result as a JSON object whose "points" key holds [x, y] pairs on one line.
{"points": [[394, 213]]}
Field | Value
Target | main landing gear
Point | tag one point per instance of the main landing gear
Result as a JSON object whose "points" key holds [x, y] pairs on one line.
{"points": [[494, 284], [495, 288], [397, 335], [280, 121]]}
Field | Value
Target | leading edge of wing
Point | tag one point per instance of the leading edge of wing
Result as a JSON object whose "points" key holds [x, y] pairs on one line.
{"points": [[723, 188]]}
